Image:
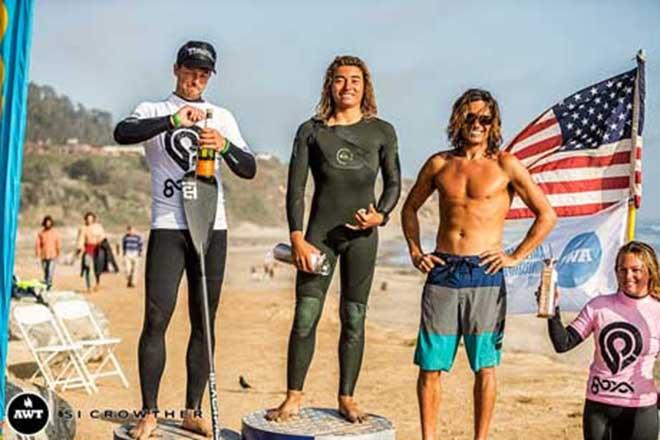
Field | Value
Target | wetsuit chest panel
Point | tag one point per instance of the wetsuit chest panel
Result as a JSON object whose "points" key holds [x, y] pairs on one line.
{"points": [[346, 156]]}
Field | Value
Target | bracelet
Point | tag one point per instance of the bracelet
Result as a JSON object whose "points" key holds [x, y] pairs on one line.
{"points": [[225, 147], [176, 120]]}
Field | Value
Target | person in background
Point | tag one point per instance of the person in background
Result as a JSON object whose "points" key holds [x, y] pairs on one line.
{"points": [[90, 236], [131, 245], [47, 249]]}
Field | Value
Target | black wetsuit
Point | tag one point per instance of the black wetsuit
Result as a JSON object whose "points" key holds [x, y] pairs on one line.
{"points": [[169, 253], [344, 161]]}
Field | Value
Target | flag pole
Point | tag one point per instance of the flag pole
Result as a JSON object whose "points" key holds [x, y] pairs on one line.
{"points": [[632, 209]]}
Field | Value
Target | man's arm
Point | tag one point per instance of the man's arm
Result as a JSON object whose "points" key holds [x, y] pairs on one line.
{"points": [[391, 172], [420, 192], [534, 198], [295, 200], [37, 247], [58, 244], [80, 241], [133, 130], [234, 151], [136, 129]]}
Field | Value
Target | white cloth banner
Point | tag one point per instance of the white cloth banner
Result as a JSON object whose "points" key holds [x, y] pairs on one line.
{"points": [[585, 249]]}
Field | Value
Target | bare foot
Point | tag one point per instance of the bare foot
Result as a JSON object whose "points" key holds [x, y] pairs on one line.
{"points": [[348, 408], [195, 423], [289, 408], [144, 427]]}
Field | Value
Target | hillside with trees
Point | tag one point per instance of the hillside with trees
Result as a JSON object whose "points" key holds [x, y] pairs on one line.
{"points": [[53, 119]]}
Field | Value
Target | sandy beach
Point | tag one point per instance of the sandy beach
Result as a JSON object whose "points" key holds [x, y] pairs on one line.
{"points": [[540, 394]]}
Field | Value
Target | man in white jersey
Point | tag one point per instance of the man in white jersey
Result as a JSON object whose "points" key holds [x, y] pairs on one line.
{"points": [[172, 130]]}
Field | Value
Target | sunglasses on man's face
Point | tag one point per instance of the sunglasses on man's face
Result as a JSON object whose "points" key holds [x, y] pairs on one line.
{"points": [[484, 120]]}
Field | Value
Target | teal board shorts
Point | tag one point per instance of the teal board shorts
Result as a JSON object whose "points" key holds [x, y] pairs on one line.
{"points": [[461, 300]]}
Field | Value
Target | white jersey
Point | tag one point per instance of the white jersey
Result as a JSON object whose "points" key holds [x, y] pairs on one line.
{"points": [[173, 153]]}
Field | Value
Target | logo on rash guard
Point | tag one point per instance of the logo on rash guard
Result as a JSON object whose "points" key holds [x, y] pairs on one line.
{"points": [[344, 156], [579, 260], [620, 345], [181, 145], [610, 386]]}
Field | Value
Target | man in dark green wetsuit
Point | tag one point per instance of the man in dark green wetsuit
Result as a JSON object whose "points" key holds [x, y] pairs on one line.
{"points": [[344, 146]]}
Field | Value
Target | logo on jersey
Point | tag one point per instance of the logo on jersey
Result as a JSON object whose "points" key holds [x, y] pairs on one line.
{"points": [[620, 345], [348, 159], [189, 189], [181, 145], [610, 386], [344, 156], [580, 260]]}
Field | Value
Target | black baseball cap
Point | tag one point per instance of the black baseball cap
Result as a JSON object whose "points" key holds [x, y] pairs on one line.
{"points": [[197, 54]]}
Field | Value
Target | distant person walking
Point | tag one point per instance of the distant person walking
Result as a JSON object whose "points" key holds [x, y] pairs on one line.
{"points": [[47, 249], [131, 246], [90, 236]]}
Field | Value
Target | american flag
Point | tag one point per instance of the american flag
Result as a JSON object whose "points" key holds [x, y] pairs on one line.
{"points": [[579, 151]]}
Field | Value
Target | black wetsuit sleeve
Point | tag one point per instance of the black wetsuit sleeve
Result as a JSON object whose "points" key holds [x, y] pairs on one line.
{"points": [[563, 338], [241, 162], [298, 172], [391, 171], [134, 130]]}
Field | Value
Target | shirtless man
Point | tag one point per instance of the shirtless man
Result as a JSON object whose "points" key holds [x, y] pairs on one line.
{"points": [[90, 236], [464, 294]]}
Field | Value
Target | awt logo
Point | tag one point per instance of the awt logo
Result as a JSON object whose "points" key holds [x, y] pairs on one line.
{"points": [[27, 413], [580, 260]]}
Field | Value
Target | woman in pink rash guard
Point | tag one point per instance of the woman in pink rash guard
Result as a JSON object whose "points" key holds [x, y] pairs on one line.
{"points": [[621, 401]]}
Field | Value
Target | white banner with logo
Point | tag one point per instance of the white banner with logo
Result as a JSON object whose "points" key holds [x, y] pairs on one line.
{"points": [[585, 249]]}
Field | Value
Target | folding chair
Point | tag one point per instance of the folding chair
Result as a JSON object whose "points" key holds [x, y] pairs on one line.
{"points": [[58, 360], [79, 326]]}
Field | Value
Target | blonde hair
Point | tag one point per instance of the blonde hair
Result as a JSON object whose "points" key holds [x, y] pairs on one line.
{"points": [[647, 255], [326, 106], [459, 113]]}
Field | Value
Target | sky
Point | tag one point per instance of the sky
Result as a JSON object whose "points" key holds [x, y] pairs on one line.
{"points": [[113, 54]]}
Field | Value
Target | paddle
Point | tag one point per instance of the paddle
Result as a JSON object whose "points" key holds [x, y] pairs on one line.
{"points": [[200, 200]]}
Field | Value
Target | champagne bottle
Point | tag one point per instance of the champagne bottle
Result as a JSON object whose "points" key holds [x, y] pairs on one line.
{"points": [[547, 290], [206, 156]]}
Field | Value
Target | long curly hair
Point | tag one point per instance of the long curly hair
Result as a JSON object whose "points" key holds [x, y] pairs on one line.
{"points": [[647, 255], [326, 106], [460, 112]]}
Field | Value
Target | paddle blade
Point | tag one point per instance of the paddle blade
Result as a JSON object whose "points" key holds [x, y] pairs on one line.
{"points": [[200, 200]]}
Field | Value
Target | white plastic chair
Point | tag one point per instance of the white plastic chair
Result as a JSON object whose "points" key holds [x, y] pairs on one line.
{"points": [[58, 360], [89, 336]]}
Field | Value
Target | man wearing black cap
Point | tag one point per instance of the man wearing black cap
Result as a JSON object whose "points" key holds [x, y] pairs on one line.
{"points": [[171, 131]]}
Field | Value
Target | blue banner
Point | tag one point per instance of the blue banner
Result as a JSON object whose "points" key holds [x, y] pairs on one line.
{"points": [[585, 251], [15, 38]]}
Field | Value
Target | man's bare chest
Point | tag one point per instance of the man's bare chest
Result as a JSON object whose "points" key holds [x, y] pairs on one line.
{"points": [[467, 180]]}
